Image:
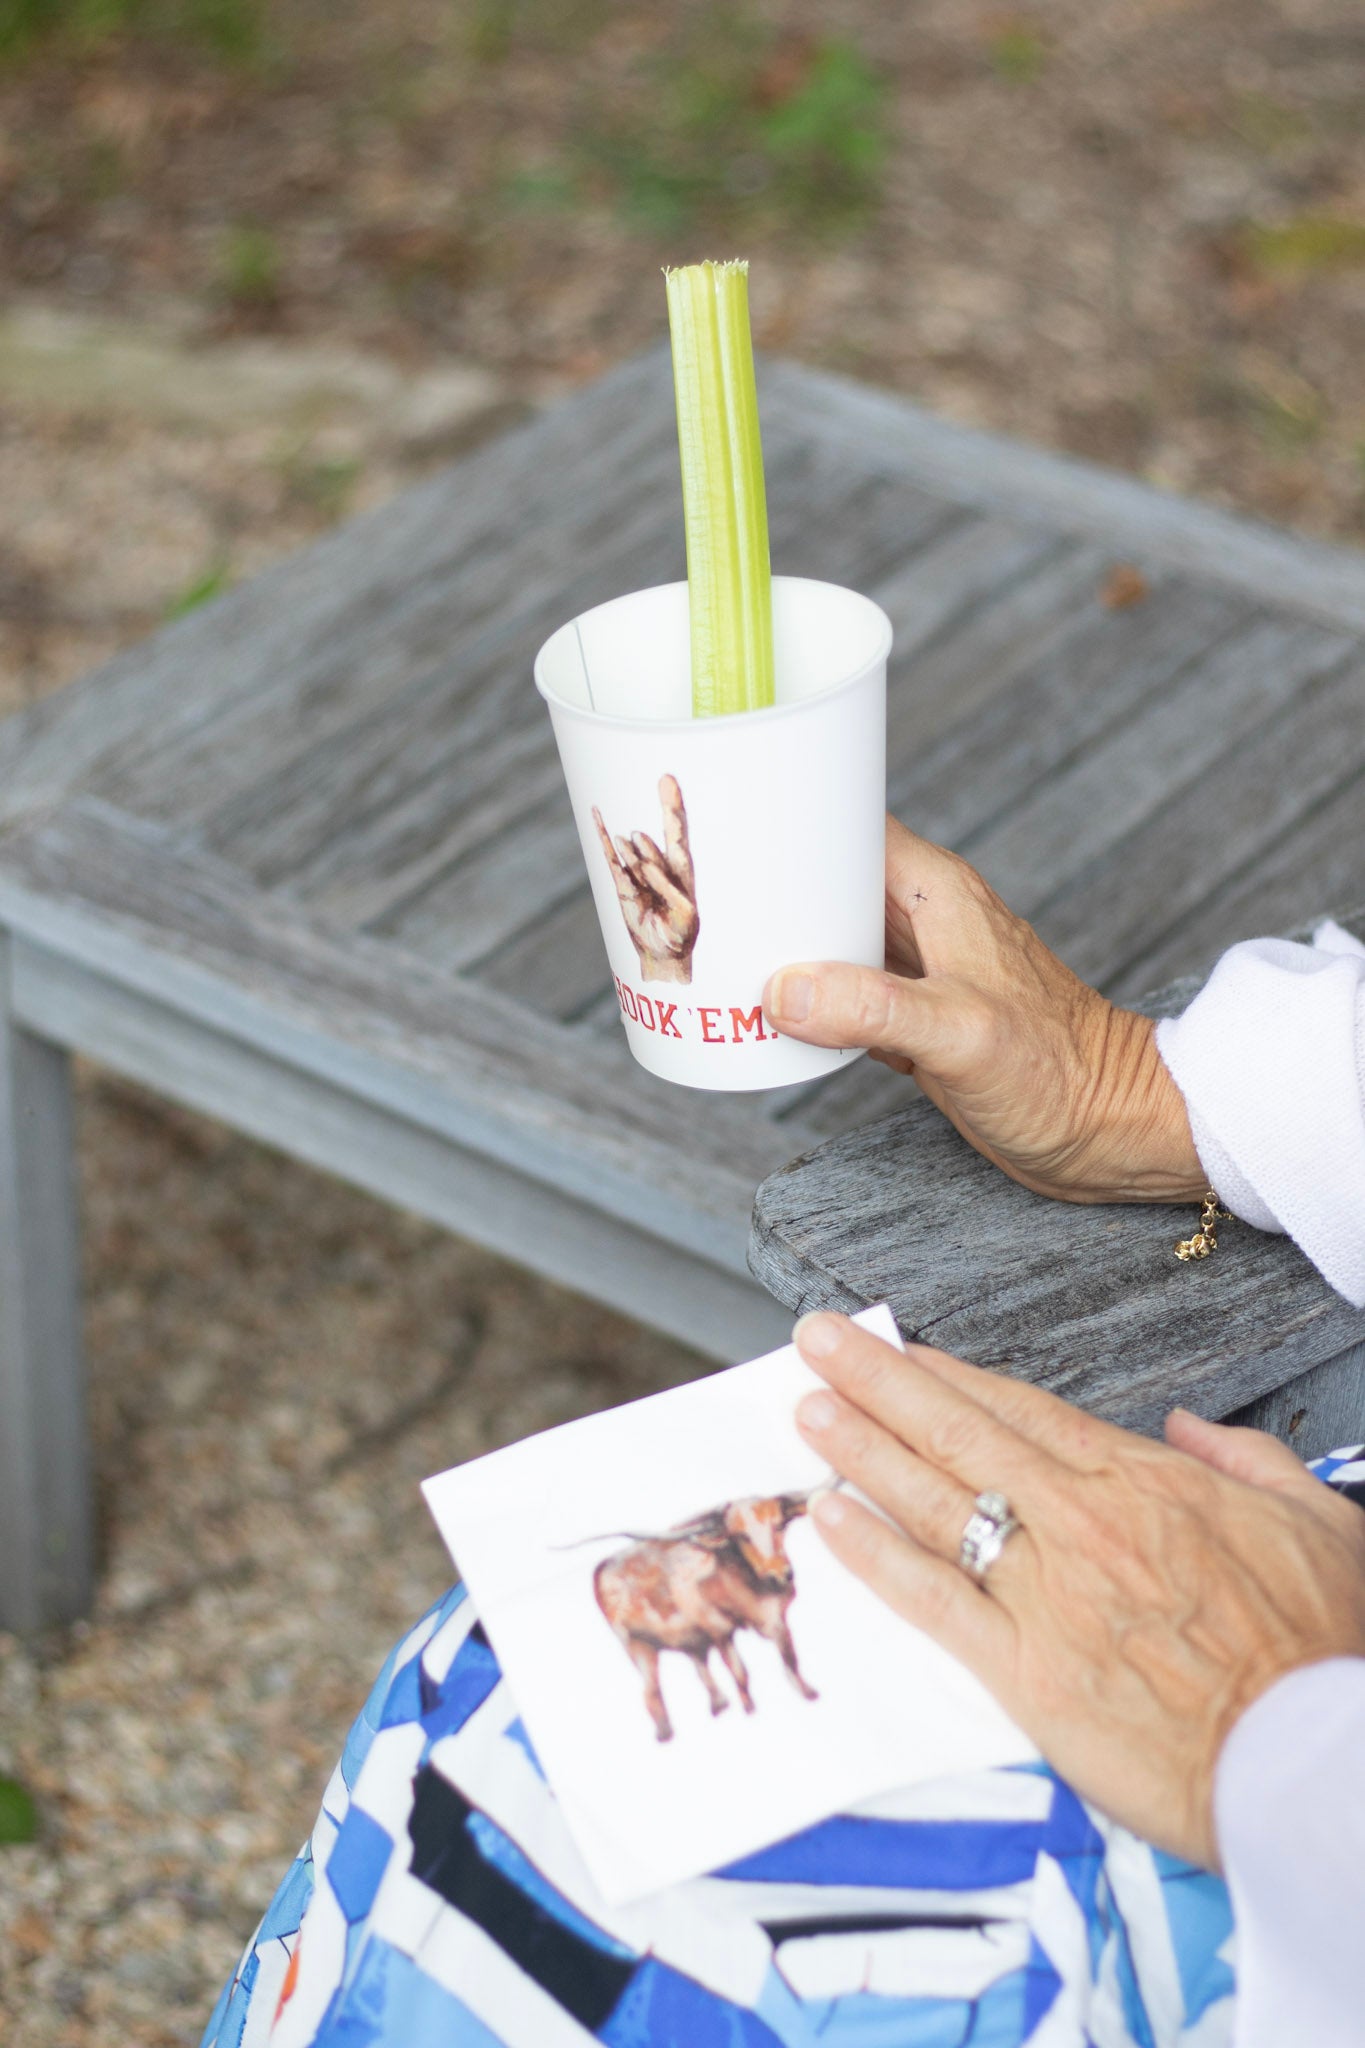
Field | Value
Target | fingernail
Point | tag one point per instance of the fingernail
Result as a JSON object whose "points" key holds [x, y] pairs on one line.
{"points": [[815, 1413], [793, 997], [818, 1335], [829, 1509]]}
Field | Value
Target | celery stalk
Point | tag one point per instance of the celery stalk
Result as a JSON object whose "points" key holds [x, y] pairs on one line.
{"points": [[725, 510]]}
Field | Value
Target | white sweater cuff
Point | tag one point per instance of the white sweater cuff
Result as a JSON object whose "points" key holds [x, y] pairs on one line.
{"points": [[1289, 1813], [1270, 1058], [1226, 1178]]}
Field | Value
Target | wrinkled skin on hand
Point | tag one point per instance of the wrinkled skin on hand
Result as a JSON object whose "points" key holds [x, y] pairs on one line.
{"points": [[657, 889], [1045, 1077], [1152, 1594]]}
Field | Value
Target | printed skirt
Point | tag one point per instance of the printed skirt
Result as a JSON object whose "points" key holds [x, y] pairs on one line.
{"points": [[440, 1903]]}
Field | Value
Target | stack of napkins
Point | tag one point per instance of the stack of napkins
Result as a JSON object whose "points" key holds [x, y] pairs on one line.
{"points": [[630, 1569]]}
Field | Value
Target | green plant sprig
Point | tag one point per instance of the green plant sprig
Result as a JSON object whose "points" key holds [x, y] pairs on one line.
{"points": [[725, 510]]}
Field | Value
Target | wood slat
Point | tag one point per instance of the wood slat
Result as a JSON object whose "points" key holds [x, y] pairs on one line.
{"points": [[1172, 737], [1316, 1412], [988, 643], [860, 1095], [1115, 919], [418, 648], [117, 898], [1319, 859], [840, 521], [369, 807], [972, 564], [599, 1017], [1088, 1302], [523, 889], [560, 957], [1092, 677]]}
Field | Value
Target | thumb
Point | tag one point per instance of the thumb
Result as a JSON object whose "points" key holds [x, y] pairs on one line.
{"points": [[1246, 1454], [832, 1002]]}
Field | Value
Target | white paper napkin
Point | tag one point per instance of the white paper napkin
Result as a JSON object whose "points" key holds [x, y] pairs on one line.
{"points": [[893, 1709]]}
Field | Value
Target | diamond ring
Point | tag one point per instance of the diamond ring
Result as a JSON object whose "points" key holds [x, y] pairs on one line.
{"points": [[988, 1530]]}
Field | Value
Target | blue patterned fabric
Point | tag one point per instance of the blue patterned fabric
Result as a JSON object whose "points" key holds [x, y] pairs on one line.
{"points": [[440, 1903]]}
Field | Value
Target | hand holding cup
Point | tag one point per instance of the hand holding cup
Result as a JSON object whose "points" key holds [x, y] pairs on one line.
{"points": [[1048, 1079]]}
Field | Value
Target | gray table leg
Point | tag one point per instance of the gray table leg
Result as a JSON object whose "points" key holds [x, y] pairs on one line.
{"points": [[45, 1495]]}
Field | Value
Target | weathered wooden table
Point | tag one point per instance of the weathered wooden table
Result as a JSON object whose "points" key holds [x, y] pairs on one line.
{"points": [[1089, 1302], [304, 861]]}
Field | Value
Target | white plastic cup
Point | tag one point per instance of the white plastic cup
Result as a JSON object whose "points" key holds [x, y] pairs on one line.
{"points": [[738, 844]]}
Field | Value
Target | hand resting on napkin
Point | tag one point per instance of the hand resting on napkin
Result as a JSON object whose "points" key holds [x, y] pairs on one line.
{"points": [[1179, 1626], [1152, 1593]]}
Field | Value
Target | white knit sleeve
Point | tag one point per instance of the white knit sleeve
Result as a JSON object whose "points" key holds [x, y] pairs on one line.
{"points": [[1270, 1058], [1289, 1810]]}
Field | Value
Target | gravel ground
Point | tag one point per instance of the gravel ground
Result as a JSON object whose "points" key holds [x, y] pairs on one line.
{"points": [[277, 1363], [1137, 233]]}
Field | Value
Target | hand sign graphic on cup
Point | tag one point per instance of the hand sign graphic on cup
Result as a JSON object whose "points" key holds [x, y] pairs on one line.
{"points": [[657, 889]]}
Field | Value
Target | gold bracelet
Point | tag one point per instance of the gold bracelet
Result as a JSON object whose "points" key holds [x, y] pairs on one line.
{"points": [[1205, 1239]]}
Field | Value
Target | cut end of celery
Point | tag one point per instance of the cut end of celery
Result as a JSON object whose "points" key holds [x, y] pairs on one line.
{"points": [[725, 508]]}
